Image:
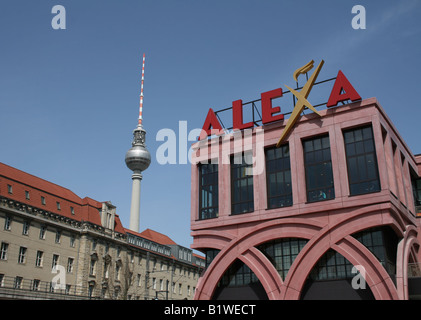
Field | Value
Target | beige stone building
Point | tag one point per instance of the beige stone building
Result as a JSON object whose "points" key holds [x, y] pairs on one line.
{"points": [[56, 245]]}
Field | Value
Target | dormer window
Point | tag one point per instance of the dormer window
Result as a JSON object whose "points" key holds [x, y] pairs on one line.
{"points": [[58, 205], [27, 197], [107, 215], [43, 200], [9, 189]]}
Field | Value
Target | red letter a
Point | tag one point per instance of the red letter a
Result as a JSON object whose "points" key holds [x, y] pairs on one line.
{"points": [[210, 122], [336, 96]]}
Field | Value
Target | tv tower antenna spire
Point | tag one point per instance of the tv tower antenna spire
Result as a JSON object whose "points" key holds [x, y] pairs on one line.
{"points": [[141, 91], [137, 159]]}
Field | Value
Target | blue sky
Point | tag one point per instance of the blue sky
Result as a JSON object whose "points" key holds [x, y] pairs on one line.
{"points": [[69, 98]]}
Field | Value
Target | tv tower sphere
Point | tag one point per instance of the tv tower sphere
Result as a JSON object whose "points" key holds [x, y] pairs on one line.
{"points": [[138, 157]]}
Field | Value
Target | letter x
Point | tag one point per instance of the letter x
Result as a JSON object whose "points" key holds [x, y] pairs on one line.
{"points": [[301, 103]]}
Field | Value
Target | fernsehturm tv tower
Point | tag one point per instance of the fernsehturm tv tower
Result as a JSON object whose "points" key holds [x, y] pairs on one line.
{"points": [[137, 159]]}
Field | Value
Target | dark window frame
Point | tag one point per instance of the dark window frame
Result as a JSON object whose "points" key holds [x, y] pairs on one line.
{"points": [[361, 149], [241, 203], [416, 190], [278, 166], [321, 154], [212, 180]]}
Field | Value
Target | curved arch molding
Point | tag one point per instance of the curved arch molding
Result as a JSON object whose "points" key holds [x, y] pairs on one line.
{"points": [[330, 231]]}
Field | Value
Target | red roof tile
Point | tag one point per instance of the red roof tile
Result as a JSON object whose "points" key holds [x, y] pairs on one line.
{"points": [[118, 225], [38, 183], [157, 237]]}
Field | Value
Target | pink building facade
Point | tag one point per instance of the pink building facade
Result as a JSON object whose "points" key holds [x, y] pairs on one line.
{"points": [[330, 214]]}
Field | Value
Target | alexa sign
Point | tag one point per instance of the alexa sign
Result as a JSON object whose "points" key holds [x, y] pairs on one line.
{"points": [[342, 90]]}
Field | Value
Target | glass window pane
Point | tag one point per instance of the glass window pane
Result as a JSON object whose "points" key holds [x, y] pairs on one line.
{"points": [[278, 250], [350, 149], [241, 185], [317, 144], [377, 238], [294, 247], [285, 151], [325, 142], [309, 157], [319, 175], [358, 135], [278, 177], [286, 248], [361, 161], [318, 156], [349, 136], [359, 147], [368, 146], [208, 191], [308, 146], [367, 133], [270, 154]]}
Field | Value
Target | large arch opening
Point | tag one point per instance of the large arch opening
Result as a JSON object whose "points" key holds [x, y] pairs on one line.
{"points": [[332, 279], [329, 278], [333, 276], [239, 283]]}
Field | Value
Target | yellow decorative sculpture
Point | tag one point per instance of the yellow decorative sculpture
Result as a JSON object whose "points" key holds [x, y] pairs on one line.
{"points": [[301, 97]]}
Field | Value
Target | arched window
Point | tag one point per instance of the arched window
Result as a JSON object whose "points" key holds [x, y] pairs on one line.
{"points": [[332, 266], [383, 243], [239, 282], [332, 278], [238, 274], [282, 252]]}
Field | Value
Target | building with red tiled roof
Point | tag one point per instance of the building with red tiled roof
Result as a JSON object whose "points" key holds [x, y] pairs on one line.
{"points": [[157, 237], [55, 244]]}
